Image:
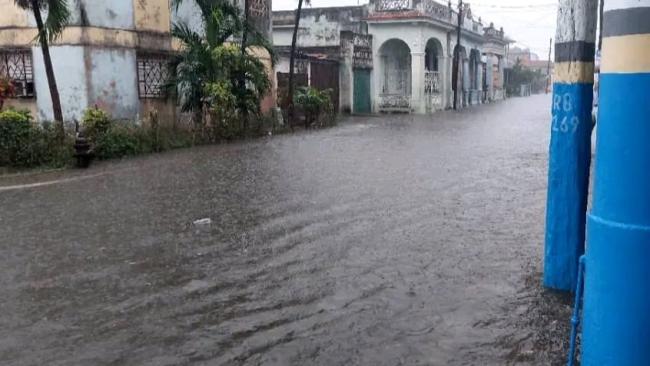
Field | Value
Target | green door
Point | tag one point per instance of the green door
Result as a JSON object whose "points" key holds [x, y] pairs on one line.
{"points": [[361, 91]]}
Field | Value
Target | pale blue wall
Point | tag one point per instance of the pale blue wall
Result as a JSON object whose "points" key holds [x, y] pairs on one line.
{"points": [[114, 82], [109, 14], [108, 80], [189, 13], [98, 13], [68, 62]]}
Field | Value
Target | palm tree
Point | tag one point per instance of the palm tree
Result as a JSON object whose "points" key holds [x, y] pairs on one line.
{"points": [[292, 59], [197, 66], [58, 16]]}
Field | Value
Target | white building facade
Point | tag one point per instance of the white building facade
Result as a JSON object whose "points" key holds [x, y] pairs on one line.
{"points": [[412, 50]]}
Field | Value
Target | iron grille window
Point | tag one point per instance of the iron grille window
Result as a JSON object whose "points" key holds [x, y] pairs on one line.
{"points": [[259, 8], [16, 65], [153, 75]]}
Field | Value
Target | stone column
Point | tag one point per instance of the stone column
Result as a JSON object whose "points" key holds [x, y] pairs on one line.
{"points": [[442, 70], [479, 82], [417, 82], [346, 81], [489, 68]]}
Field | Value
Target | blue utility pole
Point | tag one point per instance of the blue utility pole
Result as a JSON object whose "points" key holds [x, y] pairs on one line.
{"points": [[616, 323], [570, 150]]}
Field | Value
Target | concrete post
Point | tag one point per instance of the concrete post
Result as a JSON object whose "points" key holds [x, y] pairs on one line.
{"points": [[570, 150], [442, 69], [417, 82], [616, 328]]}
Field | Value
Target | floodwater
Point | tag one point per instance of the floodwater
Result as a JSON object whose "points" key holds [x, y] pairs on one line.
{"points": [[394, 240]]}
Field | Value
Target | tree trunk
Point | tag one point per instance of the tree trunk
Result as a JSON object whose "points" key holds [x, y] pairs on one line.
{"points": [[242, 80], [292, 60], [49, 70]]}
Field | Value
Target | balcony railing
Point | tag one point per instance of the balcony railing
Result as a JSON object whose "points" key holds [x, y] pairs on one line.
{"points": [[392, 5], [429, 8], [436, 10]]}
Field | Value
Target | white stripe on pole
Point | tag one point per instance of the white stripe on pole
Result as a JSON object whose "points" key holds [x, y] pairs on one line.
{"points": [[567, 29], [626, 4]]}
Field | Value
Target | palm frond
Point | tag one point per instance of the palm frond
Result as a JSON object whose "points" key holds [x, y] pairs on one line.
{"points": [[257, 39], [58, 16]]}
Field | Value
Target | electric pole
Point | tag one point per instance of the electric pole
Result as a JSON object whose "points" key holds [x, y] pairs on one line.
{"points": [[456, 78], [570, 148], [548, 67], [616, 298]]}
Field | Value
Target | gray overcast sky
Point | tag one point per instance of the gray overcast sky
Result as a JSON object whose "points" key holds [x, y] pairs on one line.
{"points": [[530, 22]]}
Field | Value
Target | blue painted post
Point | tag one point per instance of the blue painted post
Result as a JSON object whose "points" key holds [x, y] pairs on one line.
{"points": [[616, 324], [570, 150]]}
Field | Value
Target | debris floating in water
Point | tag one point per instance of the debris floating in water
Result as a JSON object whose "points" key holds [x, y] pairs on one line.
{"points": [[203, 222]]}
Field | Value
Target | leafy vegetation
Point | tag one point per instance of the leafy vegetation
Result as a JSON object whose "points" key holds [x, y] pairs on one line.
{"points": [[519, 75], [95, 122], [220, 81], [117, 139], [24, 144], [317, 106], [210, 71]]}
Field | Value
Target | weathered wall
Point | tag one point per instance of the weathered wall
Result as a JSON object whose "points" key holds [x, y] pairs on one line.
{"points": [[12, 16], [116, 14], [68, 62], [21, 104], [165, 110], [113, 81], [152, 15], [319, 27], [189, 13], [260, 15]]}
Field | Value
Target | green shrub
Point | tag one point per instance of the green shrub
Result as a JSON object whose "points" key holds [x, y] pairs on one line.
{"points": [[120, 141], [316, 104], [24, 144], [16, 131], [96, 123]]}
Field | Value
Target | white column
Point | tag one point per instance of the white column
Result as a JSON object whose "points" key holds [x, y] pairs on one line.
{"points": [[442, 69], [479, 82], [489, 68], [417, 82], [466, 82]]}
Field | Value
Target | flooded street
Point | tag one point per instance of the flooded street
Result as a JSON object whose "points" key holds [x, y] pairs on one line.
{"points": [[393, 240]]}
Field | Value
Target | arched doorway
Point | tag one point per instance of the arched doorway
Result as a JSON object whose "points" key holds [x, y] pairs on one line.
{"points": [[433, 60], [395, 76], [474, 76], [459, 73]]}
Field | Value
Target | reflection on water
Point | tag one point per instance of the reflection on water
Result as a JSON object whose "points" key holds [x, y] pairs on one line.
{"points": [[398, 240]]}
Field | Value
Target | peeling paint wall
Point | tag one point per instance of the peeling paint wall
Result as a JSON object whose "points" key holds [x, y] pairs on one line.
{"points": [[68, 64], [107, 14], [95, 59], [12, 16], [113, 81], [318, 27], [152, 15]]}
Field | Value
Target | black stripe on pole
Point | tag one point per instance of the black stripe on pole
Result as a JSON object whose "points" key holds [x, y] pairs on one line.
{"points": [[576, 51], [623, 22]]}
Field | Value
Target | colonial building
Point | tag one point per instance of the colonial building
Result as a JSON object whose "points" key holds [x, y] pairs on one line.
{"points": [[113, 54], [334, 50], [411, 46]]}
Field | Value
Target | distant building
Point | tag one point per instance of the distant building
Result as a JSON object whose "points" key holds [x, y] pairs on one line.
{"points": [[523, 55], [333, 45], [398, 55]]}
